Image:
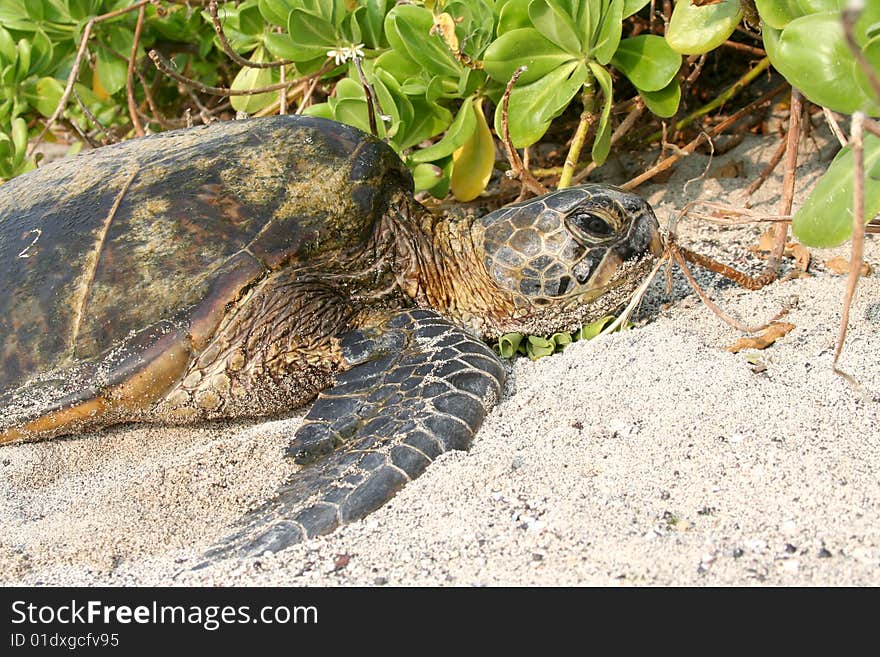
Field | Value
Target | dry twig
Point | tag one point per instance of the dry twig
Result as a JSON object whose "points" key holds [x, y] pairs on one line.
{"points": [[234, 56], [692, 146], [165, 66], [858, 238], [517, 170], [129, 78], [771, 271], [74, 71]]}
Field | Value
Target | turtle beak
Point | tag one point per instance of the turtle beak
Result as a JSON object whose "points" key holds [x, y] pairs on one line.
{"points": [[645, 234]]}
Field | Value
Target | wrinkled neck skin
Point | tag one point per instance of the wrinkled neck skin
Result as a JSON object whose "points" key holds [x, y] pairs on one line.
{"points": [[440, 265]]}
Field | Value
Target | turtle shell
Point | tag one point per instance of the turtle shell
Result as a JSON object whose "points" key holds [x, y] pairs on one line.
{"points": [[100, 246]]}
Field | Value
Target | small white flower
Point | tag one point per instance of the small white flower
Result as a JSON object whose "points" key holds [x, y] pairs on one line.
{"points": [[347, 52]]}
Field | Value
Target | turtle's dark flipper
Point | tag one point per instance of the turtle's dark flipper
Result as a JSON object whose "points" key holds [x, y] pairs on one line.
{"points": [[419, 385]]}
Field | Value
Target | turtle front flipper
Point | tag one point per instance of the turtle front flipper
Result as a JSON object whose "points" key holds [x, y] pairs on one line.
{"points": [[120, 385], [418, 386]]}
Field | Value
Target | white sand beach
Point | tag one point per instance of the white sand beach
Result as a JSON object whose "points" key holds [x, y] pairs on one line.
{"points": [[648, 457]]}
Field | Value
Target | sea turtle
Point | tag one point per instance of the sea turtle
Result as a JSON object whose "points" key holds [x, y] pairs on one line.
{"points": [[240, 269]]}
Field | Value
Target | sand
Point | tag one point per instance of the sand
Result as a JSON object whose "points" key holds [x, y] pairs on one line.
{"points": [[648, 457]]}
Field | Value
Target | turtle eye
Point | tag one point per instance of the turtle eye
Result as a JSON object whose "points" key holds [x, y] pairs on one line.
{"points": [[589, 228], [590, 225]]}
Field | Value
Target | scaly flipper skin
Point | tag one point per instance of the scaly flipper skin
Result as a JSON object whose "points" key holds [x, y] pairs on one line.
{"points": [[418, 386]]}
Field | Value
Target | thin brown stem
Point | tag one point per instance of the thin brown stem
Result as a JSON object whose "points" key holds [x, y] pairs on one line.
{"points": [[719, 100], [234, 56], [769, 169], [129, 78], [703, 136], [675, 252], [858, 238], [165, 66], [695, 73], [625, 126], [370, 93], [743, 47], [71, 79], [831, 120], [74, 71], [517, 170], [791, 153], [740, 278], [282, 96], [109, 137], [580, 135]]}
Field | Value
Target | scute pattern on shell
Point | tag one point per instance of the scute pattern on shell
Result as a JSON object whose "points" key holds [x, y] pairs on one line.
{"points": [[283, 188]]}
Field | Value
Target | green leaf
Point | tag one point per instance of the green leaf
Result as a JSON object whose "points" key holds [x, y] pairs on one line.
{"points": [[602, 141], [408, 29], [80, 9], [24, 59], [608, 37], [35, 10], [779, 13], [472, 163], [112, 71], [514, 15], [811, 53], [371, 18], [312, 32], [508, 344], [591, 330], [552, 22], [252, 78], [632, 6], [663, 103], [353, 111], [538, 347], [276, 12], [41, 54], [459, 132], [694, 30], [561, 340], [7, 171], [399, 65], [7, 47], [825, 219], [588, 16], [523, 47], [441, 189], [426, 176], [429, 120], [19, 138], [45, 95], [322, 110], [534, 106], [648, 61], [250, 20]]}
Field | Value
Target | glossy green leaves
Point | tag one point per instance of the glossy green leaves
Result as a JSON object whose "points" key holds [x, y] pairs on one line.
{"points": [[825, 219], [535, 346], [694, 29], [565, 45], [811, 52]]}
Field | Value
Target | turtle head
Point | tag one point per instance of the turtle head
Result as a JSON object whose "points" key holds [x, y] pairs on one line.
{"points": [[566, 249]]}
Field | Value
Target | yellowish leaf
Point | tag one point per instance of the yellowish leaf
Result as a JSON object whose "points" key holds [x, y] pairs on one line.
{"points": [[445, 25], [253, 78], [795, 250], [840, 265], [472, 163], [800, 253], [98, 88], [763, 340]]}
